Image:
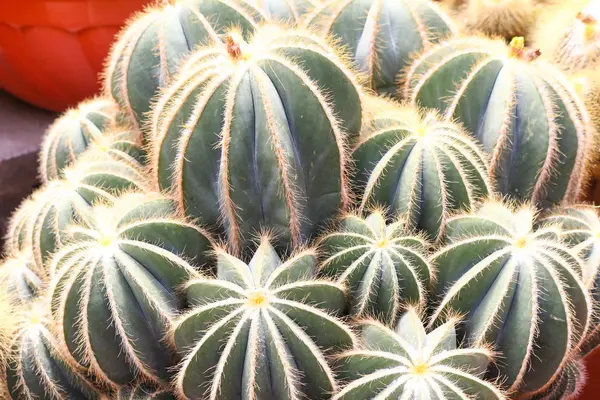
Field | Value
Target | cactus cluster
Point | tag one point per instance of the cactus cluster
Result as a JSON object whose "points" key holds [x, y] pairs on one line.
{"points": [[314, 199]]}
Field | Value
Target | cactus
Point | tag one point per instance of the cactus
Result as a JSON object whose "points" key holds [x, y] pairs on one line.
{"points": [[114, 292], [37, 367], [382, 265], [260, 330], [408, 363], [504, 18], [20, 277], [71, 134], [291, 11], [524, 112], [519, 287], [120, 144], [18, 235], [143, 392], [149, 51], [569, 384], [383, 35], [264, 130], [417, 165]]}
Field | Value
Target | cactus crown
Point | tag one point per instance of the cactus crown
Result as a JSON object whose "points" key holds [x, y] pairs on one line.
{"points": [[504, 18], [20, 276], [409, 362]]}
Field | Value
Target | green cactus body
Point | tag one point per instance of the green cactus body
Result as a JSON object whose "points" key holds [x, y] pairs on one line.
{"points": [[382, 36], [114, 288], [151, 49], [285, 10], [18, 236], [569, 384], [71, 135], [525, 114], [37, 367], [143, 392], [120, 145], [420, 167], [91, 179], [20, 277], [408, 363], [518, 287], [383, 266], [261, 146], [259, 331]]}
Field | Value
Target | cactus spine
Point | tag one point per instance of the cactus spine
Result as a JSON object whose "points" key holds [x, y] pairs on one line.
{"points": [[383, 35], [291, 11], [504, 18], [142, 392], [524, 112], [123, 267], [151, 49], [569, 384], [417, 165], [408, 363], [249, 156], [20, 277], [260, 330], [518, 287], [383, 266], [71, 134]]}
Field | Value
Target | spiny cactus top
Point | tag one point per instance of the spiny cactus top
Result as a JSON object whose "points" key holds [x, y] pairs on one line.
{"points": [[383, 35], [420, 166], [253, 135], [114, 288], [523, 111], [260, 330], [18, 235], [383, 266], [72, 133], [20, 276], [151, 48], [518, 287], [120, 144], [504, 18], [292, 11], [408, 363], [37, 368]]}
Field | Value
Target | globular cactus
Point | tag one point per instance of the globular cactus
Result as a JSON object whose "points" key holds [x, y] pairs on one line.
{"points": [[71, 134], [523, 111], [143, 392], [417, 165], [384, 267], [409, 363], [261, 330], [569, 384], [20, 277], [519, 288], [503, 18], [253, 135], [120, 144], [151, 48], [291, 11], [114, 293], [18, 235], [382, 36], [37, 367]]}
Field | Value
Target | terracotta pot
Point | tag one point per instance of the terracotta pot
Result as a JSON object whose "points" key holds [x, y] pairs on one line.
{"points": [[52, 51]]}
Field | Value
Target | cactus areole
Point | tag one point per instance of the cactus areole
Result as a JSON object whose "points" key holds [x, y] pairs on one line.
{"points": [[253, 135]]}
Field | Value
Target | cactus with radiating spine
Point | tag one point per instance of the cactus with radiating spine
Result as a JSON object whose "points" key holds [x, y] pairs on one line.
{"points": [[20, 277], [253, 136], [569, 384], [523, 111], [409, 363], [519, 287], [143, 392], [292, 11], [417, 165], [151, 48], [18, 235], [384, 267], [261, 330], [114, 292], [383, 35], [37, 367], [504, 18], [120, 144], [71, 134]]}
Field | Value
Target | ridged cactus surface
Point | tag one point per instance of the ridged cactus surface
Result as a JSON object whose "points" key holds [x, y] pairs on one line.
{"points": [[150, 50], [115, 286], [260, 330], [253, 135], [383, 266], [382, 36], [523, 111], [519, 289], [71, 134], [416, 164], [289, 11], [409, 363], [570, 383], [503, 18], [20, 277], [143, 392]]}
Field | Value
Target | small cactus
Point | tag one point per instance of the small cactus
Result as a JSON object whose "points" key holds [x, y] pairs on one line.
{"points": [[383, 35], [20, 277], [417, 165], [150, 49], [518, 287], [260, 330], [504, 18], [263, 143], [524, 112], [383, 266], [114, 289], [71, 134], [143, 392], [408, 363]]}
